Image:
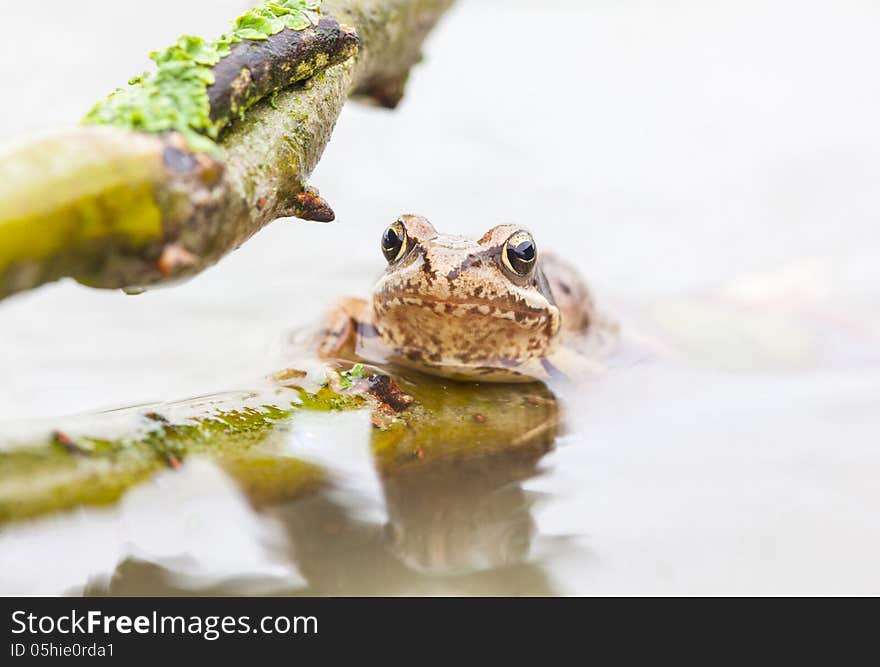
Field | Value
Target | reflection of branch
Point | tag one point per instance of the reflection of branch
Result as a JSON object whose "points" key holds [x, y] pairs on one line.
{"points": [[113, 207], [413, 426]]}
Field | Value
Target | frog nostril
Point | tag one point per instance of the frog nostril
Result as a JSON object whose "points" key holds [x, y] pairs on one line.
{"points": [[467, 262]]}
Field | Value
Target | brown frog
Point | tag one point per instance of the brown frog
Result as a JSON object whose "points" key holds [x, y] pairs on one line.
{"points": [[493, 310]]}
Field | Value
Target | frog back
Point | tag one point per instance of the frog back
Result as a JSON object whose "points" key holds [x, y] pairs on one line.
{"points": [[569, 291]]}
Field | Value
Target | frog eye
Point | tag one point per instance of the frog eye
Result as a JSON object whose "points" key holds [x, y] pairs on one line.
{"points": [[520, 254], [395, 242]]}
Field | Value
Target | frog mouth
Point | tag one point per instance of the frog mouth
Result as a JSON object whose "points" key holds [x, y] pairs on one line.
{"points": [[506, 310]]}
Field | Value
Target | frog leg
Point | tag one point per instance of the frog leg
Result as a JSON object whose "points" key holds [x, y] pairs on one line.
{"points": [[565, 363], [339, 336]]}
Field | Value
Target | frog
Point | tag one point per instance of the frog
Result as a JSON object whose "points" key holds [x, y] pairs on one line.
{"points": [[492, 309]]}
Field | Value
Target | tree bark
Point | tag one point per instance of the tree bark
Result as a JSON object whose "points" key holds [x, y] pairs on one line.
{"points": [[118, 208]]}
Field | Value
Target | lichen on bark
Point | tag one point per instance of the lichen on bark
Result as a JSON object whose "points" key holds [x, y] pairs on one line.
{"points": [[200, 85]]}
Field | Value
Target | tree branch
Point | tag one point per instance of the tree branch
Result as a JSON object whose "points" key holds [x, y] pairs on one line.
{"points": [[132, 206]]}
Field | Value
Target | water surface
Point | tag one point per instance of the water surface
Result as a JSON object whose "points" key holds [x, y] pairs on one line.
{"points": [[711, 170]]}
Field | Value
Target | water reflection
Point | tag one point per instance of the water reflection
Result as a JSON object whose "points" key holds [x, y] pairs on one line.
{"points": [[455, 526], [456, 518]]}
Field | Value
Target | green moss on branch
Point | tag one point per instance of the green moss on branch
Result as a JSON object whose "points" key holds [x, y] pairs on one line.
{"points": [[199, 86]]}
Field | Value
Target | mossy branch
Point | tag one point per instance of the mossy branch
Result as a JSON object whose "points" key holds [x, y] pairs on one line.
{"points": [[142, 194], [256, 69]]}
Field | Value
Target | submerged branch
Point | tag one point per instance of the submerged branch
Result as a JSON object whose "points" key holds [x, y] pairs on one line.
{"points": [[141, 198], [415, 424]]}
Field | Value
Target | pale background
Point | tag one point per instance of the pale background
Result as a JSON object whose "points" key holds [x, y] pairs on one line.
{"points": [[711, 169]]}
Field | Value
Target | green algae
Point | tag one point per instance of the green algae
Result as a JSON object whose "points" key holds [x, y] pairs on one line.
{"points": [[175, 95]]}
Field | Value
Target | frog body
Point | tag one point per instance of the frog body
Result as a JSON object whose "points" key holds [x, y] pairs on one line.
{"points": [[491, 310]]}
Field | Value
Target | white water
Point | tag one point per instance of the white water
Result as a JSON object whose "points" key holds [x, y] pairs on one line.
{"points": [[712, 170]]}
